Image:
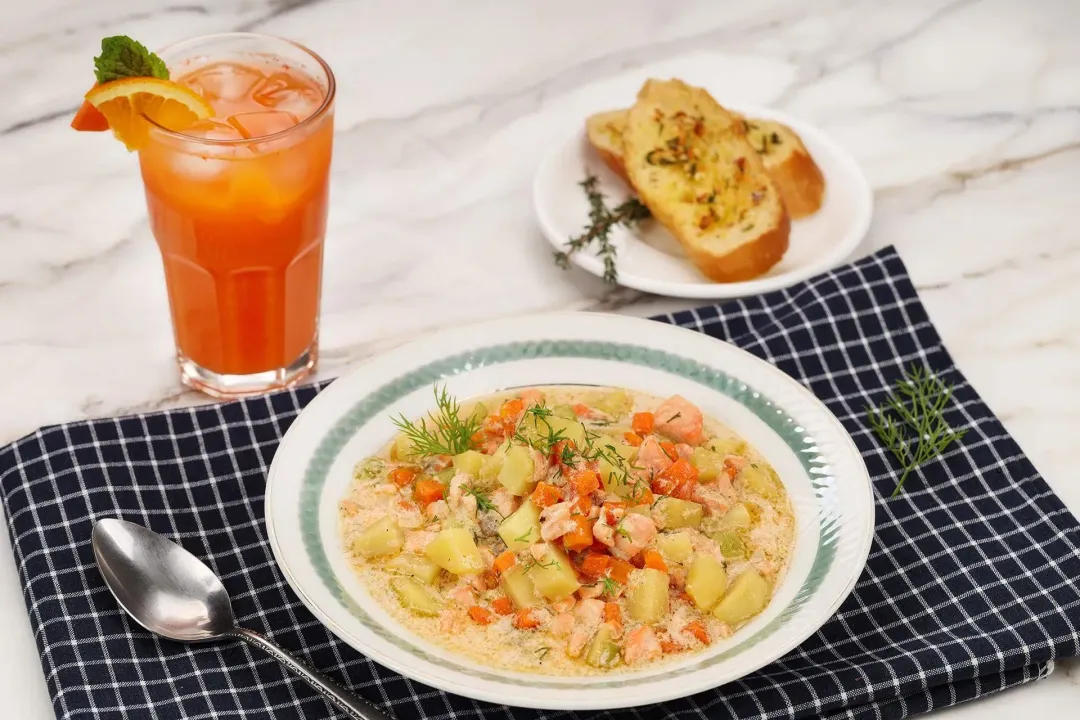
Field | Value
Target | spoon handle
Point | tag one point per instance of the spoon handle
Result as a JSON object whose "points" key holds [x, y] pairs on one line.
{"points": [[355, 707]]}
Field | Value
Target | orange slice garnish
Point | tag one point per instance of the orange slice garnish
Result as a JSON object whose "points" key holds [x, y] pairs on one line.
{"points": [[127, 104]]}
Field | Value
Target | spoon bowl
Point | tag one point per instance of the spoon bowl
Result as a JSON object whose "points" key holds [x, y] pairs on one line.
{"points": [[163, 587], [171, 593]]}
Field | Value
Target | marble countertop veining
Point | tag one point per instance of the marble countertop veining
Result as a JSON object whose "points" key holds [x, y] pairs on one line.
{"points": [[965, 116]]}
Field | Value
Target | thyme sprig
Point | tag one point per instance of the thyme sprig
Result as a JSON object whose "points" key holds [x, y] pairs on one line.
{"points": [[917, 402], [601, 222], [448, 433]]}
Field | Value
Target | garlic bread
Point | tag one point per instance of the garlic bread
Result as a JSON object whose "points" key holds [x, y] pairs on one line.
{"points": [[691, 164], [786, 159]]}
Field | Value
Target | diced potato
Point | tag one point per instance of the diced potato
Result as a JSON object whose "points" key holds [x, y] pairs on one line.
{"points": [[469, 462], [645, 510], [603, 651], [709, 465], [616, 477], [616, 403], [382, 537], [516, 473], [519, 587], [672, 512], [402, 448], [758, 480], [736, 518], [415, 597], [706, 581], [416, 566], [564, 411], [571, 429], [726, 446], [554, 576], [522, 528], [647, 596], [731, 544], [455, 551], [479, 412], [445, 475], [746, 597], [493, 463], [675, 547]]}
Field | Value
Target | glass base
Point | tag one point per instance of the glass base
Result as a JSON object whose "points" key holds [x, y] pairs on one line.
{"points": [[225, 386]]}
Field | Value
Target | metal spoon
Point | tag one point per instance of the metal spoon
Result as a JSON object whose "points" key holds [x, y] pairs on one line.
{"points": [[170, 592]]}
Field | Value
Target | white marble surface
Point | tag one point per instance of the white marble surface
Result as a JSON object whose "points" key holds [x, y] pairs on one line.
{"points": [[964, 115]]}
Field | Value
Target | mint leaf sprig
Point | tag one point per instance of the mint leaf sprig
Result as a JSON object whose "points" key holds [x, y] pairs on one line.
{"points": [[122, 57], [917, 402]]}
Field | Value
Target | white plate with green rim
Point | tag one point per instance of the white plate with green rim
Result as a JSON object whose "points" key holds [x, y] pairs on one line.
{"points": [[819, 464]]}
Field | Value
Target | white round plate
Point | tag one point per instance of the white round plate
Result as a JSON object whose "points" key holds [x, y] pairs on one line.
{"points": [[819, 464], [650, 259]]}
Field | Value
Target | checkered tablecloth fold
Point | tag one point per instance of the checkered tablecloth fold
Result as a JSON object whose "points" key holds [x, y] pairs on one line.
{"points": [[972, 585]]}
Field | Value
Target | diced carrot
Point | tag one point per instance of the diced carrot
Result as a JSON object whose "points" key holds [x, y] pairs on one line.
{"points": [[504, 561], [685, 597], [654, 560], [632, 439], [582, 410], [698, 630], [609, 511], [669, 450], [678, 480], [612, 613], [402, 476], [480, 615], [582, 506], [511, 408], [595, 564], [620, 570], [669, 646], [89, 119], [545, 495], [526, 619], [502, 605], [581, 536], [643, 495], [428, 491], [643, 423], [586, 482]]}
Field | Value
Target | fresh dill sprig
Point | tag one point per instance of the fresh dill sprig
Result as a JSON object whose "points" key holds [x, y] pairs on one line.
{"points": [[532, 562], [448, 434], [601, 222], [483, 501], [918, 402], [611, 586], [524, 537]]}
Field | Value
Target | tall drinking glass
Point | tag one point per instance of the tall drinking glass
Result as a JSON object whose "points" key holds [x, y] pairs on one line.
{"points": [[237, 204]]}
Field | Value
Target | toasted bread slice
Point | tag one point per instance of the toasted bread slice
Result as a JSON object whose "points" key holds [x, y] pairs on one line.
{"points": [[692, 165], [605, 133], [789, 164], [786, 159]]}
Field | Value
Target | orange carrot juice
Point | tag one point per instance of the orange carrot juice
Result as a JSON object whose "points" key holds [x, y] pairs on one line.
{"points": [[238, 206]]}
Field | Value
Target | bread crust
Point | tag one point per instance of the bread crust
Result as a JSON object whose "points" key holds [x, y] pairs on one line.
{"points": [[800, 182]]}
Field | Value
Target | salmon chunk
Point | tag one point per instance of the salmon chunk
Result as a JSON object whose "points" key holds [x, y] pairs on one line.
{"points": [[652, 457], [633, 535], [680, 420], [642, 645]]}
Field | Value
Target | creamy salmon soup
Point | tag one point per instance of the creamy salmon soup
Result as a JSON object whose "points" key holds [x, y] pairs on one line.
{"points": [[568, 530]]}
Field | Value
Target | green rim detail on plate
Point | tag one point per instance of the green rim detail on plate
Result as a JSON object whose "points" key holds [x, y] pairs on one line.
{"points": [[378, 401]]}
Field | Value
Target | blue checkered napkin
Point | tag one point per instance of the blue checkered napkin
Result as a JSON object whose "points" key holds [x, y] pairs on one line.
{"points": [[971, 585]]}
